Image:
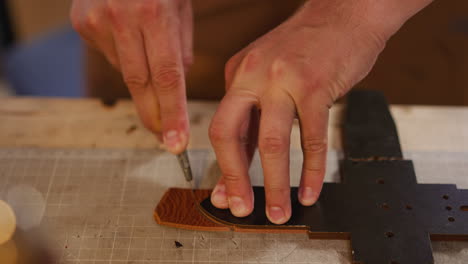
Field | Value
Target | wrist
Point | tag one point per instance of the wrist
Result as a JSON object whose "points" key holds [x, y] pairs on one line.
{"points": [[381, 18]]}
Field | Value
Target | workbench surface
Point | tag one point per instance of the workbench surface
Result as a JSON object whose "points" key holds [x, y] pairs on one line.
{"points": [[88, 123], [84, 179]]}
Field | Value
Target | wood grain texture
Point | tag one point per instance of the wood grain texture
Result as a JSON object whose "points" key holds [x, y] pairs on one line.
{"points": [[87, 123]]}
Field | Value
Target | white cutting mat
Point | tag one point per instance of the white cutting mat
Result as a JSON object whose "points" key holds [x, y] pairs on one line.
{"points": [[96, 206]]}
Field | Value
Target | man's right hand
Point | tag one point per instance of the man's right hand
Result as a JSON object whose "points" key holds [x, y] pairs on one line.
{"points": [[150, 42]]}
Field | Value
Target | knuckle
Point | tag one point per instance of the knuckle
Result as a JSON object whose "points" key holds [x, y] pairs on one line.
{"points": [[112, 9], [229, 72], [90, 23], [315, 169], [167, 78], [229, 68], [83, 24], [277, 69], [84, 21], [231, 178], [135, 81], [314, 145], [115, 10], [271, 145], [148, 9], [251, 61]]}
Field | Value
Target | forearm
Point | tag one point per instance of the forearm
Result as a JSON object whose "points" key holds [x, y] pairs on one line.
{"points": [[383, 17], [390, 15]]}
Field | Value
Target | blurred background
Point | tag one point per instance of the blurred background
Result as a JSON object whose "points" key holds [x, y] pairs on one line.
{"points": [[426, 62]]}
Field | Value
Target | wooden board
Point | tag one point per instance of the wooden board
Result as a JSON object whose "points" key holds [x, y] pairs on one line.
{"points": [[88, 123]]}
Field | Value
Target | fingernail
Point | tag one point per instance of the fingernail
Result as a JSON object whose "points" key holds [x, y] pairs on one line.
{"points": [[238, 206], [219, 197], [276, 215], [307, 196], [172, 140]]}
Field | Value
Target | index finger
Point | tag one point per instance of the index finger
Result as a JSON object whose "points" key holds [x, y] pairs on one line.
{"points": [[161, 33]]}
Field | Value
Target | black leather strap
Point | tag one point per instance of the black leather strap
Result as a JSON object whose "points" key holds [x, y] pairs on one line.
{"points": [[379, 206], [369, 130]]}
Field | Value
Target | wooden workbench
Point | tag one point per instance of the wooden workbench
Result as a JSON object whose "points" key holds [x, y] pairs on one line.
{"points": [[90, 203], [88, 123]]}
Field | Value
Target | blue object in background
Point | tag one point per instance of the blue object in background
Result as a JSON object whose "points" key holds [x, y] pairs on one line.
{"points": [[49, 66]]}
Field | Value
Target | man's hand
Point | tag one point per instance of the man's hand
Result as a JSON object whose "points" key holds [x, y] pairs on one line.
{"points": [[297, 70], [150, 42]]}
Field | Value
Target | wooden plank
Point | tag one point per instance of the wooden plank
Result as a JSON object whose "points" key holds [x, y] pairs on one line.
{"points": [[87, 123]]}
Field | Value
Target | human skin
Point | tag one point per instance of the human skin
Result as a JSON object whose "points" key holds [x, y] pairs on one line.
{"points": [[298, 70], [150, 42]]}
